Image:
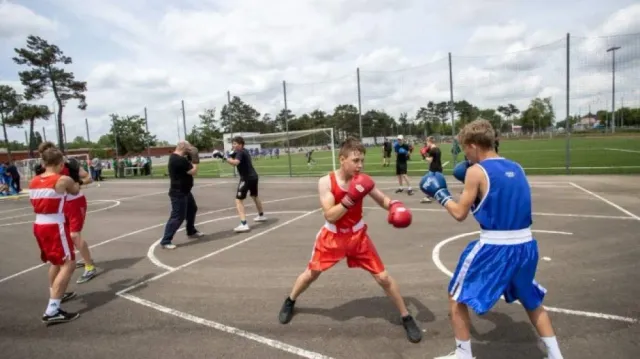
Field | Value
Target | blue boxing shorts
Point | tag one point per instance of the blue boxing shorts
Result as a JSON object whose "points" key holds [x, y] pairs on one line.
{"points": [[496, 265]]}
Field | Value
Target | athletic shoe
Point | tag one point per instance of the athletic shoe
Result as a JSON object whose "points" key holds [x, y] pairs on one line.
{"points": [[425, 200], [87, 276], [79, 263], [242, 228], [286, 312], [260, 218], [169, 246], [195, 235], [60, 317], [67, 296], [410, 192], [414, 334], [399, 190]]}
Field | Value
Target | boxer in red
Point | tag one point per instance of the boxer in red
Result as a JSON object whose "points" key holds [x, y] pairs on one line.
{"points": [[76, 211], [344, 234], [47, 193]]}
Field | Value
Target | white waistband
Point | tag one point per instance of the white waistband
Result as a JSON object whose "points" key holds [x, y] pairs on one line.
{"points": [[333, 228], [506, 237], [53, 218], [71, 197]]}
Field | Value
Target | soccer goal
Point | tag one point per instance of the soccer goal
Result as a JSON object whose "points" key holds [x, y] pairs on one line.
{"points": [[26, 167], [293, 153]]}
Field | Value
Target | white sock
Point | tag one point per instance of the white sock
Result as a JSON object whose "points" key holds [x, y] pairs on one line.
{"points": [[553, 351], [52, 307], [463, 349]]}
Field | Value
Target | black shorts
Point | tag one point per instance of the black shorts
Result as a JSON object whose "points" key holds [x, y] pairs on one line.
{"points": [[248, 185], [401, 168], [387, 154]]}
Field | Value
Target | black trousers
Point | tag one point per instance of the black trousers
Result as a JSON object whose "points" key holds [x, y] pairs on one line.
{"points": [[183, 207]]}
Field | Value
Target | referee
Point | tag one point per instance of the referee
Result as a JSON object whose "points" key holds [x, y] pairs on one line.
{"points": [[241, 158], [183, 204]]}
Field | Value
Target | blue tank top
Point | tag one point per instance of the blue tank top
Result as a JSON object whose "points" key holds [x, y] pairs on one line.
{"points": [[507, 204]]}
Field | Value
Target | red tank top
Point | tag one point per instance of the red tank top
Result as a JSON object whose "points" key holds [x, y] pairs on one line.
{"points": [[43, 195], [65, 170], [354, 214]]}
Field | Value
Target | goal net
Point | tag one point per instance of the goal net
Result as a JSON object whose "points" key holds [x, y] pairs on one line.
{"points": [[293, 153], [26, 167]]}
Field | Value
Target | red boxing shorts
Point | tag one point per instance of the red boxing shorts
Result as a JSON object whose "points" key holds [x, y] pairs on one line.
{"points": [[55, 243], [75, 211], [333, 245]]}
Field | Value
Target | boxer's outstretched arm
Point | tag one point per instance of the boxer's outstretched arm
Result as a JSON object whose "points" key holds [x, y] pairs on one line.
{"points": [[332, 211], [381, 199], [459, 210]]}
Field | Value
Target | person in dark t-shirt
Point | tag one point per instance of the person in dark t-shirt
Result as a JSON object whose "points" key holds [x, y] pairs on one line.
{"points": [[402, 156], [241, 158], [434, 157], [183, 204], [386, 153]]}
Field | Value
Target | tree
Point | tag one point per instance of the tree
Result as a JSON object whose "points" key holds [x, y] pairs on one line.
{"points": [[46, 75], [9, 101], [128, 134], [27, 112]]}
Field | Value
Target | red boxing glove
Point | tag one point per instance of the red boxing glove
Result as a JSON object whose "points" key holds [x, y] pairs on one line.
{"points": [[399, 215], [359, 187]]}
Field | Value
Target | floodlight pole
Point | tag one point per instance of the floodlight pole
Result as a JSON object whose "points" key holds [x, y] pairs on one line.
{"points": [[612, 50], [286, 122]]}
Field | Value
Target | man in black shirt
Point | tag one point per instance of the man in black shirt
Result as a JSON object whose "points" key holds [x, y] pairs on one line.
{"points": [[241, 158], [386, 153], [402, 156], [183, 204], [434, 157]]}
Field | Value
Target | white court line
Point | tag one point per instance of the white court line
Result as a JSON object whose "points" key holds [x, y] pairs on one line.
{"points": [[116, 204], [151, 252], [183, 266], [149, 228], [445, 164], [621, 150], [227, 329], [435, 256], [595, 216], [166, 191], [605, 201], [33, 214]]}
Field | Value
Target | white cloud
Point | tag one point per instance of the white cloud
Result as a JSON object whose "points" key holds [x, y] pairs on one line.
{"points": [[153, 54], [18, 21]]}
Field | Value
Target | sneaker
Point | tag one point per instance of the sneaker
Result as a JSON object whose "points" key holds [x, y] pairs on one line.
{"points": [[414, 334], [410, 192], [169, 246], [87, 276], [286, 312], [79, 263], [399, 190], [425, 200], [67, 296], [195, 235], [242, 228], [60, 317], [260, 218]]}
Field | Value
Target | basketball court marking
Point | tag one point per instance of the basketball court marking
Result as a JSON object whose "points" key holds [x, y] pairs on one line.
{"points": [[605, 201], [115, 204], [435, 256], [151, 252], [275, 344]]}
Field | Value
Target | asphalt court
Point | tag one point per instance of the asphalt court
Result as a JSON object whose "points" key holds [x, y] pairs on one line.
{"points": [[219, 296]]}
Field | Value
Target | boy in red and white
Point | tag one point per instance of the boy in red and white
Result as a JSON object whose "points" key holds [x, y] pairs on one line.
{"points": [[47, 192], [344, 234], [76, 212]]}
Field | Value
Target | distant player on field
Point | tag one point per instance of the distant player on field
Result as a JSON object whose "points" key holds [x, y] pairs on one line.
{"points": [[503, 261]]}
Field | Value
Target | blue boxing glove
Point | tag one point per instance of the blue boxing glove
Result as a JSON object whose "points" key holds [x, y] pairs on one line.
{"points": [[460, 171], [434, 185], [402, 151]]}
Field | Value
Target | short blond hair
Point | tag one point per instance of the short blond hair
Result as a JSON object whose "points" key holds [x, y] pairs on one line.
{"points": [[478, 132]]}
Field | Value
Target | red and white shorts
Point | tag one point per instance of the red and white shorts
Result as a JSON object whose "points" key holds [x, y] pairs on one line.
{"points": [[332, 245], [75, 211], [54, 240]]}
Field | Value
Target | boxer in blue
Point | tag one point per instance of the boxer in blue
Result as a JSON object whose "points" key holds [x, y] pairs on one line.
{"points": [[503, 261]]}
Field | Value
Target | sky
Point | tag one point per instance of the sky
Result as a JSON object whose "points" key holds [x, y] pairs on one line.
{"points": [[154, 54]]}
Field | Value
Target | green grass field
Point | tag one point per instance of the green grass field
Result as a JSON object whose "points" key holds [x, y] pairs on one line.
{"points": [[588, 155]]}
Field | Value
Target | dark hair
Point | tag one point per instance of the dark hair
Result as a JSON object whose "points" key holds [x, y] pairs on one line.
{"points": [[45, 146], [351, 144], [239, 140], [52, 157]]}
